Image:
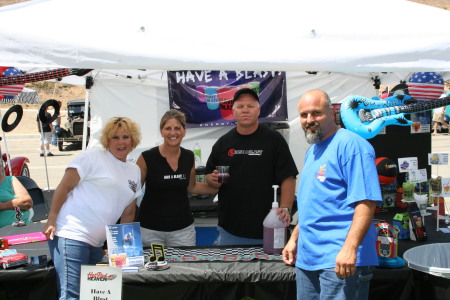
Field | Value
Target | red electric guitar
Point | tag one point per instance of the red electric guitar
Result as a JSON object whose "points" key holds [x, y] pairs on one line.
{"points": [[40, 76]]}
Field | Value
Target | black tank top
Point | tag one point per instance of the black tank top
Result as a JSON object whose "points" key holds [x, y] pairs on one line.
{"points": [[165, 206]]}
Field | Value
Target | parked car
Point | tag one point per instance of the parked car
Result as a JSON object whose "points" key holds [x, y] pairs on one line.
{"points": [[18, 165], [10, 258], [73, 131]]}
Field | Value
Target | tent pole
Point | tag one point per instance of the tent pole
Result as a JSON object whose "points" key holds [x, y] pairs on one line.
{"points": [[86, 119], [89, 84], [6, 149]]}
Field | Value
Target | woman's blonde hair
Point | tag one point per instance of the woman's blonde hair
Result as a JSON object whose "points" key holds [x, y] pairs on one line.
{"points": [[126, 124]]}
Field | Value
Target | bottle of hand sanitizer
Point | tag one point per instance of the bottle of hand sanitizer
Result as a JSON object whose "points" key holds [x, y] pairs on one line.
{"points": [[275, 230]]}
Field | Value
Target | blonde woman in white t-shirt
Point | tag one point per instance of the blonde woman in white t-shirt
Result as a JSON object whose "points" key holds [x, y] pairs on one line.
{"points": [[99, 187]]}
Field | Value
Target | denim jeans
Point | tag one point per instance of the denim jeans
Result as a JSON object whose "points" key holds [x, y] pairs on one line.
{"points": [[325, 284], [55, 136], [68, 256], [226, 238]]}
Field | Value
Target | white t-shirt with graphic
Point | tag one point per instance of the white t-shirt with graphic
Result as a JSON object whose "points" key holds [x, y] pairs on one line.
{"points": [[106, 187]]}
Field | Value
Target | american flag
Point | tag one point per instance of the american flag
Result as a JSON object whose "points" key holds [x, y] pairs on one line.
{"points": [[13, 89], [425, 85]]}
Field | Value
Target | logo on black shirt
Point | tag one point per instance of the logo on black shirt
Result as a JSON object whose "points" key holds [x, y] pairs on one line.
{"points": [[233, 152], [176, 176]]}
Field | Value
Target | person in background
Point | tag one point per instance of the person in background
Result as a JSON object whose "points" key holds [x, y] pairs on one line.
{"points": [[438, 117], [56, 125], [13, 194], [169, 175], [332, 245], [99, 187], [46, 134], [258, 157]]}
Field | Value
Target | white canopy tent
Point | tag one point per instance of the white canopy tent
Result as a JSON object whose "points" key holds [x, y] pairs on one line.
{"points": [[347, 42], [322, 35]]}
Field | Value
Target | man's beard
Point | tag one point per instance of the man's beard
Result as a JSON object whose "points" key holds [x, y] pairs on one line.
{"points": [[313, 137]]}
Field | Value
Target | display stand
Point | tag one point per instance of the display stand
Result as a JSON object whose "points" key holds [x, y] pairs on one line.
{"points": [[438, 215], [437, 207]]}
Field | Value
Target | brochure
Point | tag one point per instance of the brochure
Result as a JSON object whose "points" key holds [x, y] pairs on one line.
{"points": [[125, 245]]}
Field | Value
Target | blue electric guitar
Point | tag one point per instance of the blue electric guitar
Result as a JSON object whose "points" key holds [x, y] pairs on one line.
{"points": [[367, 117]]}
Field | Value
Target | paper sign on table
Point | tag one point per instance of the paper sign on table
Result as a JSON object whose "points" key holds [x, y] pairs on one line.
{"points": [[417, 176], [100, 282], [406, 164], [438, 158], [445, 187]]}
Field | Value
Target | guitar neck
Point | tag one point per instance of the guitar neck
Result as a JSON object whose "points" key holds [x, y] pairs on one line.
{"points": [[33, 77], [411, 108]]}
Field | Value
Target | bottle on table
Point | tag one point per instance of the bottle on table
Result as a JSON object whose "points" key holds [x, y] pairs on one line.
{"points": [[197, 155], [275, 230]]}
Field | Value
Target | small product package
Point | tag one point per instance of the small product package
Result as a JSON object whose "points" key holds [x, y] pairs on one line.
{"points": [[401, 223], [416, 223]]}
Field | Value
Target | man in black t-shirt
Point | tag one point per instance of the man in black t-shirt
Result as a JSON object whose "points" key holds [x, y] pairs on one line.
{"points": [[46, 134], [258, 158]]}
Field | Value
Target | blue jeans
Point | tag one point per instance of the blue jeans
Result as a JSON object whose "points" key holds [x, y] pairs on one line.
{"points": [[226, 238], [68, 256], [325, 284], [55, 136]]}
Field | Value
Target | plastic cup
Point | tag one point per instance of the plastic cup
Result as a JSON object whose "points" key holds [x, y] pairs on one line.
{"points": [[119, 261], [212, 100], [223, 173], [112, 259], [226, 95], [255, 86], [201, 93]]}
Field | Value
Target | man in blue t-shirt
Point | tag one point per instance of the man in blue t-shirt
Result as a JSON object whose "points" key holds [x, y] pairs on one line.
{"points": [[333, 245]]}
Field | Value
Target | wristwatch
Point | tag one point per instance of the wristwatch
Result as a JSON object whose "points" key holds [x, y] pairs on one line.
{"points": [[287, 209]]}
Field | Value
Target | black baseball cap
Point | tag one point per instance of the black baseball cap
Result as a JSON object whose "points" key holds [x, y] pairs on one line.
{"points": [[245, 91]]}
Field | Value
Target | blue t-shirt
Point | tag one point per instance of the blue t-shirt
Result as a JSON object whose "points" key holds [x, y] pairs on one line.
{"points": [[338, 172]]}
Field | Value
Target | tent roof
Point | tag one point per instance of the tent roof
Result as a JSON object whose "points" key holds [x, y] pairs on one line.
{"points": [[321, 35]]}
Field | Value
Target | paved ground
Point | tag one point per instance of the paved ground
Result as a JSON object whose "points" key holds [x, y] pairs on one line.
{"points": [[46, 171]]}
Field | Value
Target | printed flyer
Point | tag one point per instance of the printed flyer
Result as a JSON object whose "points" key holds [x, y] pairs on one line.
{"points": [[98, 283], [125, 245]]}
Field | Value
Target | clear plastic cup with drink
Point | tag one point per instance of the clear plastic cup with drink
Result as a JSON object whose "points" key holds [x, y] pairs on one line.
{"points": [[223, 173]]}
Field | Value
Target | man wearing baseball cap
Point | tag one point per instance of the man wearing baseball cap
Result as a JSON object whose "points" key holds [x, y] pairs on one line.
{"points": [[258, 157]]}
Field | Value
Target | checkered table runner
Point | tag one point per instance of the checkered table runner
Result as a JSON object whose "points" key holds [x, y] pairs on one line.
{"points": [[214, 254]]}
